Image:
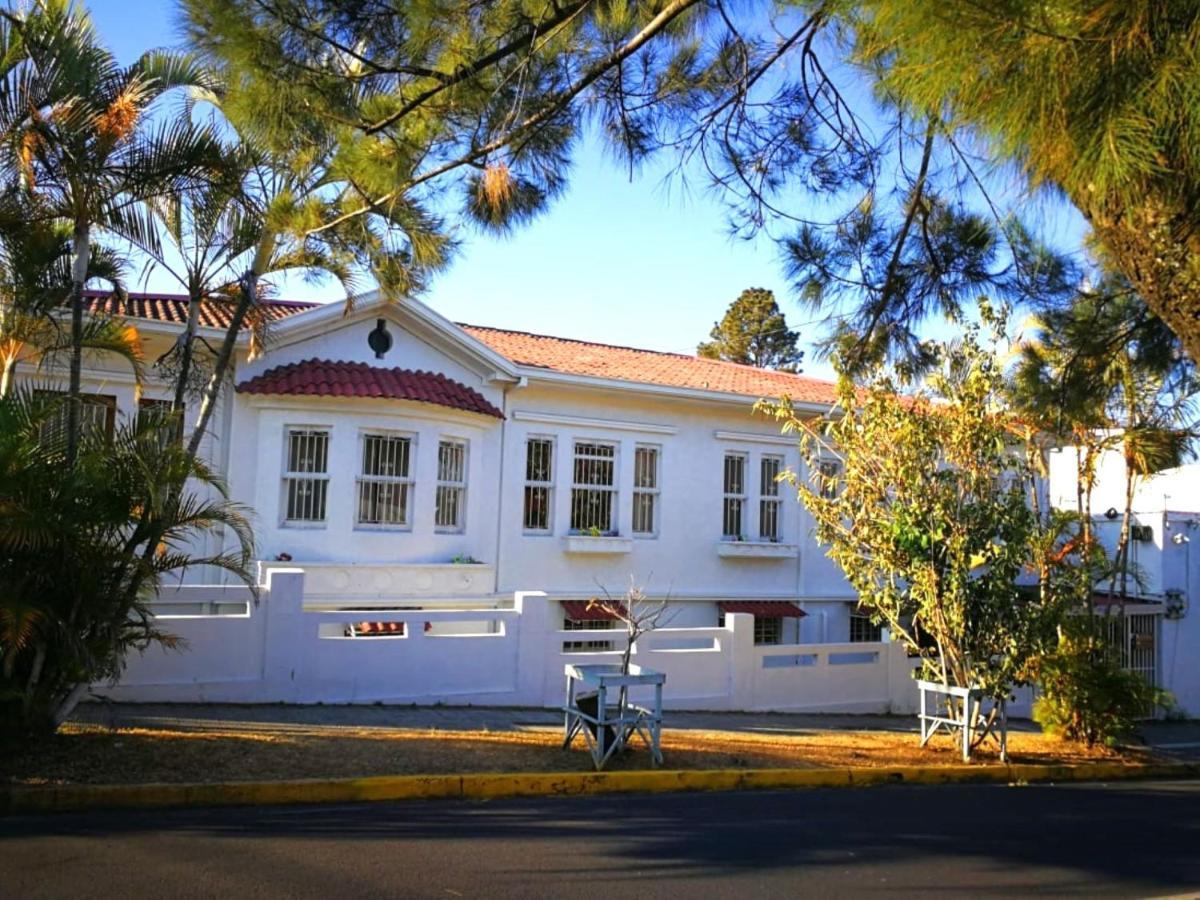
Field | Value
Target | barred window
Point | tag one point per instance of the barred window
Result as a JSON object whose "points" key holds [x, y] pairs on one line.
{"points": [[592, 646], [735, 496], [306, 479], [863, 630], [593, 487], [539, 483], [645, 490], [385, 484], [769, 501], [768, 630], [829, 471], [97, 415], [451, 486]]}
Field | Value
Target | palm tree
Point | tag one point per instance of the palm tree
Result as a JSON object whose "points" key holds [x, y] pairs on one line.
{"points": [[35, 280], [197, 236], [292, 219], [74, 575], [88, 150], [1106, 373]]}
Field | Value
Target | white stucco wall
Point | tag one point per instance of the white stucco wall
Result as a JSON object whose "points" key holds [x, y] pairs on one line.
{"points": [[682, 558]]}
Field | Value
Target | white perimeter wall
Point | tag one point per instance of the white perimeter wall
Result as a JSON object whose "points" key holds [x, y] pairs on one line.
{"points": [[277, 650]]}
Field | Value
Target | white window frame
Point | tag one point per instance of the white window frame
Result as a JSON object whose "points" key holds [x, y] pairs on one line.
{"points": [[770, 497], [529, 484], [408, 481], [447, 485], [728, 497], [648, 494], [297, 476], [611, 488]]}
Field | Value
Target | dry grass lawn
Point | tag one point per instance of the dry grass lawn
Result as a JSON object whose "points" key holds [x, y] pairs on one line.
{"points": [[89, 754]]}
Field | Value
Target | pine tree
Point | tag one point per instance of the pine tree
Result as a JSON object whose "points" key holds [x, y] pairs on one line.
{"points": [[754, 332]]}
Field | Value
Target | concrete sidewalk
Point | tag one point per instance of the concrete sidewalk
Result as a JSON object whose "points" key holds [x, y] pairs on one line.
{"points": [[461, 718]]}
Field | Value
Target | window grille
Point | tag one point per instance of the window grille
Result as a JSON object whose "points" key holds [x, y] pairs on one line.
{"points": [[829, 471], [97, 415], [595, 646], [768, 630], [451, 486], [735, 496], [769, 501], [385, 485], [539, 483], [306, 481], [645, 490], [863, 630], [593, 487]]}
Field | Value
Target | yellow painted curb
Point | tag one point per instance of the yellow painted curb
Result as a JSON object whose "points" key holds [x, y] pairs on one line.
{"points": [[485, 786]]}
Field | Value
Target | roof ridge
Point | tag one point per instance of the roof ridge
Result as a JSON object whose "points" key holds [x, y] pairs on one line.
{"points": [[98, 294], [558, 337], [688, 356]]}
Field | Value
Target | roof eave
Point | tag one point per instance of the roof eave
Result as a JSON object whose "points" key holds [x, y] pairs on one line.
{"points": [[550, 376]]}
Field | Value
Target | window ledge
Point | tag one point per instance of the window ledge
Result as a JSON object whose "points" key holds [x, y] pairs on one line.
{"points": [[585, 543], [757, 550]]}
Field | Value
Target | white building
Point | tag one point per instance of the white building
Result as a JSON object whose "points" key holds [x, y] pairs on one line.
{"points": [[458, 493], [1163, 612]]}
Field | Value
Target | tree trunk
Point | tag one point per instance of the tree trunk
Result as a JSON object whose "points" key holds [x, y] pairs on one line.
{"points": [[81, 258], [1122, 555], [68, 704], [249, 293], [185, 360], [208, 403], [1157, 248], [6, 374]]}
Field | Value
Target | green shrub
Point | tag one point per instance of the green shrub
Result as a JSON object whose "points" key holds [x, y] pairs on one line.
{"points": [[1085, 694]]}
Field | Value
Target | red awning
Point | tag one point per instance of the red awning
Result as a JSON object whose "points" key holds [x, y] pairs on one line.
{"points": [[577, 610], [763, 609]]}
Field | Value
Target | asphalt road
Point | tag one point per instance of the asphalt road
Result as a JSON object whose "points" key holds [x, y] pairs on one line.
{"points": [[1131, 839]]}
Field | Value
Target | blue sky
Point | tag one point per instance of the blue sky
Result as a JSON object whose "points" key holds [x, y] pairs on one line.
{"points": [[637, 262]]}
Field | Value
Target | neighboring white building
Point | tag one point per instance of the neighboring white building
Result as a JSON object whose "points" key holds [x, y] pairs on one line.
{"points": [[386, 437], [1165, 608]]}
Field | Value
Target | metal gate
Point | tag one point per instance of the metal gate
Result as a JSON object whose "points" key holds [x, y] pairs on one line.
{"points": [[1135, 635]]}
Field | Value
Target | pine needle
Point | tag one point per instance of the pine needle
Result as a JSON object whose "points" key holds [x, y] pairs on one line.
{"points": [[496, 185]]}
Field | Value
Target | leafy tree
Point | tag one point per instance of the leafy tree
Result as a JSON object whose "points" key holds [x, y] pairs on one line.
{"points": [[74, 575], [754, 332], [937, 535], [85, 145]]}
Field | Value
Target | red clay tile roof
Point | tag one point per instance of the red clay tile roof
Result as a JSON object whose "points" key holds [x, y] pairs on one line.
{"points": [[565, 355], [649, 366], [322, 378], [173, 308]]}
